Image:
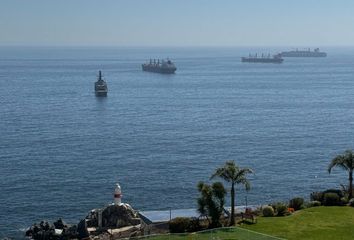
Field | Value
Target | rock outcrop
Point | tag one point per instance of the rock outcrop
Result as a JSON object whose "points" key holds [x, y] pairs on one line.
{"points": [[115, 220], [117, 216], [113, 216], [57, 230]]}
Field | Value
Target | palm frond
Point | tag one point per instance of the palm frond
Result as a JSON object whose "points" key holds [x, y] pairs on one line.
{"points": [[243, 172], [230, 172], [344, 161], [222, 173]]}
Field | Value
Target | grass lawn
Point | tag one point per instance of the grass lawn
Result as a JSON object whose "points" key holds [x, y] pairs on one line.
{"points": [[311, 223], [220, 234]]}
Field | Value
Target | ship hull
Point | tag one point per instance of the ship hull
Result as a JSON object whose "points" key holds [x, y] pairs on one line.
{"points": [[303, 54], [101, 94], [159, 69], [262, 60]]}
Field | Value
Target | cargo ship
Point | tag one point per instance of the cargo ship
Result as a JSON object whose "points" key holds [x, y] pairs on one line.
{"points": [[101, 88], [163, 66], [263, 58], [304, 53]]}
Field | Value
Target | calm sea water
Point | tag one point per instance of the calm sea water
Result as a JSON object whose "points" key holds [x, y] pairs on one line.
{"points": [[62, 149]]}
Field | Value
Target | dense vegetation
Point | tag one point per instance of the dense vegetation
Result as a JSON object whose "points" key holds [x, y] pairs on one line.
{"points": [[211, 202], [320, 223], [329, 214]]}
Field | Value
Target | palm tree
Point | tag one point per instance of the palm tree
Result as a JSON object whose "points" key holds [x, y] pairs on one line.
{"points": [[346, 162], [233, 174]]}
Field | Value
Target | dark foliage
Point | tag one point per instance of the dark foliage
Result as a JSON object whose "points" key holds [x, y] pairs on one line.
{"points": [[320, 196], [317, 196], [281, 209], [194, 225], [336, 191], [331, 199], [296, 203], [211, 202], [179, 225]]}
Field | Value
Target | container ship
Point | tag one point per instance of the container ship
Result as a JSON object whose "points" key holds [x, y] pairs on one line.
{"points": [[163, 66], [304, 53], [263, 58]]}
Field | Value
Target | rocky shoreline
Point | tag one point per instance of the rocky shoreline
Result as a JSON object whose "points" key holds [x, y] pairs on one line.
{"points": [[111, 221], [117, 220]]}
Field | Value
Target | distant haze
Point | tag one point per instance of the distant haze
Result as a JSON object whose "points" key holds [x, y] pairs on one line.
{"points": [[177, 23]]}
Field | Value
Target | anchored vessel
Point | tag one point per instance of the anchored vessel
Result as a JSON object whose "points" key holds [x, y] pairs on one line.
{"points": [[100, 86], [263, 59], [304, 53], [163, 66]]}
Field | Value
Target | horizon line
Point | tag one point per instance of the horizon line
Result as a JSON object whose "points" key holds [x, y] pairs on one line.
{"points": [[163, 46]]}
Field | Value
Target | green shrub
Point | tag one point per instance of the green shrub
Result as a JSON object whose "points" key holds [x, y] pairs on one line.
{"points": [[331, 199], [320, 196], [336, 191], [313, 204], [194, 225], [268, 211], [316, 196], [296, 203], [179, 224], [351, 202], [280, 209]]}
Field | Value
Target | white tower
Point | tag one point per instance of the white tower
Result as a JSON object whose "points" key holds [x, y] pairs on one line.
{"points": [[118, 195]]}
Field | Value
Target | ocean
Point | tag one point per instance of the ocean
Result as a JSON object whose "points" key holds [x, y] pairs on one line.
{"points": [[62, 149]]}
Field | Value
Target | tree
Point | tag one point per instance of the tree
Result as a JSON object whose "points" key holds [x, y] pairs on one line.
{"points": [[211, 202], [346, 162], [233, 174]]}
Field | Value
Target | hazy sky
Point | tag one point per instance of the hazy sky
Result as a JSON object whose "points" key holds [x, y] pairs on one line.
{"points": [[177, 22]]}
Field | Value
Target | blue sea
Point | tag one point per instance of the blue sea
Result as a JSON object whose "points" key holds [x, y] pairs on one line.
{"points": [[62, 149]]}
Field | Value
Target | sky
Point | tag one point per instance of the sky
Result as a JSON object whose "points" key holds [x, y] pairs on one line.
{"points": [[177, 22]]}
